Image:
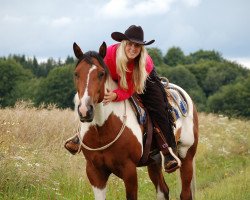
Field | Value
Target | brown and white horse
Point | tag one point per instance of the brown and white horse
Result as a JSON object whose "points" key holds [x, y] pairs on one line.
{"points": [[111, 138]]}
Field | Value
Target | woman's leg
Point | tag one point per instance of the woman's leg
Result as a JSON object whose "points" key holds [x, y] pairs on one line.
{"points": [[155, 100]]}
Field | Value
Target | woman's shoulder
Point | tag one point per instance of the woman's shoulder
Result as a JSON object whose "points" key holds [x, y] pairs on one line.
{"points": [[112, 48]]}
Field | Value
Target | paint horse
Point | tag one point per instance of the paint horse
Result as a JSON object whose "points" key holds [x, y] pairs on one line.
{"points": [[111, 138]]}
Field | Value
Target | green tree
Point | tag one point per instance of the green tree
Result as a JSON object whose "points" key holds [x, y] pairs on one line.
{"points": [[69, 60], [156, 55], [57, 88], [220, 75], [232, 99], [184, 78], [211, 75], [204, 55], [12, 75], [174, 56]]}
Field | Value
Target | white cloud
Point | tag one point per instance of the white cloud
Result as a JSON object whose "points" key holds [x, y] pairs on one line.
{"points": [[192, 3], [131, 8], [62, 21], [12, 19]]}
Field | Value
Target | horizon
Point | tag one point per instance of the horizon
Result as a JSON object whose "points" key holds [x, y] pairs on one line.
{"points": [[47, 29]]}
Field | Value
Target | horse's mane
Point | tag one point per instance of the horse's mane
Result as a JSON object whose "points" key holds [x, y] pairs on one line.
{"points": [[109, 83], [93, 54]]}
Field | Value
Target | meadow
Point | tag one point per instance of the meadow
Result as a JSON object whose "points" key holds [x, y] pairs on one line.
{"points": [[35, 165]]}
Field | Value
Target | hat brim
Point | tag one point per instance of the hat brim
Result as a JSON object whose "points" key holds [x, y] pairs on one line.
{"points": [[117, 36]]}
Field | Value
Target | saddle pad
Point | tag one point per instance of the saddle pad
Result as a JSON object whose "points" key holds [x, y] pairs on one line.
{"points": [[177, 101]]}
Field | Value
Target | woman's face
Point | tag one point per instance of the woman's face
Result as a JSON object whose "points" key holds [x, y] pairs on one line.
{"points": [[132, 50]]}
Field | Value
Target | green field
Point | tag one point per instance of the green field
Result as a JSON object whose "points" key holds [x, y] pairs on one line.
{"points": [[35, 165]]}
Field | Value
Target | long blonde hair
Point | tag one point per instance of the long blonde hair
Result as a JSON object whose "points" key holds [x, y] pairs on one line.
{"points": [[139, 72]]}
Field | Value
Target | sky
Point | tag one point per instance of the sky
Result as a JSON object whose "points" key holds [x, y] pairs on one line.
{"points": [[48, 28]]}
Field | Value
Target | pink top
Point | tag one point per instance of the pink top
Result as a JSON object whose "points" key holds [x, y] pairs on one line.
{"points": [[110, 61]]}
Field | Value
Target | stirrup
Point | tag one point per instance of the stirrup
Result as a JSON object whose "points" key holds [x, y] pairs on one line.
{"points": [[173, 168], [176, 162]]}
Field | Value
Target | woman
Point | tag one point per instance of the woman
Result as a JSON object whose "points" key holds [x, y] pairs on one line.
{"points": [[133, 69]]}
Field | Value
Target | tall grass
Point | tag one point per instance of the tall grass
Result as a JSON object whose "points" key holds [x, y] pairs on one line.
{"points": [[35, 165]]}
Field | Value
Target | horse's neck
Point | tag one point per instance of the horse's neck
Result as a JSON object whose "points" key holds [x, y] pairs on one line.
{"points": [[110, 84]]}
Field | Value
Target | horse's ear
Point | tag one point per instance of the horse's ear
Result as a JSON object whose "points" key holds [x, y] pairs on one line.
{"points": [[77, 50], [103, 49]]}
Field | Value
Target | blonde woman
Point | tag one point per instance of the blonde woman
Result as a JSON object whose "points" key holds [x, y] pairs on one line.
{"points": [[133, 69]]}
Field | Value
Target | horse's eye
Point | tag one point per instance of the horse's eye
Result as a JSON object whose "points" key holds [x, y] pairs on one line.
{"points": [[100, 75], [76, 75]]}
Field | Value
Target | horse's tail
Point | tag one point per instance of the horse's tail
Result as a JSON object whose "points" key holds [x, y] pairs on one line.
{"points": [[193, 182]]}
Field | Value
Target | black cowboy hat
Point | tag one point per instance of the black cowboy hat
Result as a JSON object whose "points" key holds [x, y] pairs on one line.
{"points": [[133, 33]]}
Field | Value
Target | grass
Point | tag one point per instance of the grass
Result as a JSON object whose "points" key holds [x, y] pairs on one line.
{"points": [[35, 165]]}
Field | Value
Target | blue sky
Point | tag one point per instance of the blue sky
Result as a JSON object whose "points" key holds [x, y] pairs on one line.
{"points": [[48, 28]]}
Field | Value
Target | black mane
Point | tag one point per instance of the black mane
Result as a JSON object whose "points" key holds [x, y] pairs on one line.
{"points": [[93, 54]]}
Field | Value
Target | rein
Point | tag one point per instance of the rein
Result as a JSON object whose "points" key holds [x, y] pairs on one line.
{"points": [[109, 144]]}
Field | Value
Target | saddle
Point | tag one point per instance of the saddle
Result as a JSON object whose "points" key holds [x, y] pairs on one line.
{"points": [[153, 139]]}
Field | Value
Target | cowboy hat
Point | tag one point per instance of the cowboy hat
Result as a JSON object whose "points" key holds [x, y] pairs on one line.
{"points": [[133, 33]]}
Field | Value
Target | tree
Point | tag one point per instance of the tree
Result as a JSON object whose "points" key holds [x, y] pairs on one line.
{"points": [[184, 78], [156, 55], [12, 74], [204, 55], [57, 88], [211, 75], [232, 99], [69, 60], [174, 57]]}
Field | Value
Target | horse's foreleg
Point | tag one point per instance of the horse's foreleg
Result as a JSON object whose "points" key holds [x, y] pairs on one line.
{"points": [[129, 176], [156, 176], [98, 179]]}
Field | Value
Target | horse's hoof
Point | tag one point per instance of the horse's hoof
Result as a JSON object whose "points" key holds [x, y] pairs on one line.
{"points": [[72, 145]]}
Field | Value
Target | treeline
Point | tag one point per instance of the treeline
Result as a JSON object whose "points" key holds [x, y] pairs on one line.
{"points": [[215, 84]]}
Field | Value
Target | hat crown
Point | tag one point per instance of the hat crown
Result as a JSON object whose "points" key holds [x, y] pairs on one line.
{"points": [[135, 33]]}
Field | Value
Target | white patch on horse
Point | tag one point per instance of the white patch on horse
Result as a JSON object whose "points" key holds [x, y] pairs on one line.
{"points": [[86, 98], [118, 109], [186, 124], [159, 194], [84, 127], [100, 194]]}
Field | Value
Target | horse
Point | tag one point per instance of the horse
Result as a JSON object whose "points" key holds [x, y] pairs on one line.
{"points": [[112, 139]]}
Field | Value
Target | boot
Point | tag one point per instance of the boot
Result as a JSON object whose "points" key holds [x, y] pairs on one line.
{"points": [[171, 161], [73, 144]]}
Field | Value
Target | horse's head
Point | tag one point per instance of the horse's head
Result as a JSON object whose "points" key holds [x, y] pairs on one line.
{"points": [[90, 75]]}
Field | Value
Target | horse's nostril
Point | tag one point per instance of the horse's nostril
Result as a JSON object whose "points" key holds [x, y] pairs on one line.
{"points": [[90, 111]]}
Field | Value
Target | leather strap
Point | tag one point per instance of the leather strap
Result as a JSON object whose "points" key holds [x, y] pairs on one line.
{"points": [[147, 146]]}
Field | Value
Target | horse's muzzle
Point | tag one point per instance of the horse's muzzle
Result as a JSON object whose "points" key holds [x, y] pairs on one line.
{"points": [[89, 114]]}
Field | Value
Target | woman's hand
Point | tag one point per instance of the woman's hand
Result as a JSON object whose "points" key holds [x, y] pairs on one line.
{"points": [[109, 96]]}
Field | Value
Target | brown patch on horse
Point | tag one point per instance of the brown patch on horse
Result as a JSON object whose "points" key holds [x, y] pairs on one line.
{"points": [[178, 135], [127, 147]]}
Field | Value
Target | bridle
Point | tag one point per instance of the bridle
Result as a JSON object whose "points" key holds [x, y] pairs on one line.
{"points": [[87, 57]]}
